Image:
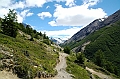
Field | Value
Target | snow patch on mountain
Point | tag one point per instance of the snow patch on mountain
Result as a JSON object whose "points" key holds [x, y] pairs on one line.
{"points": [[57, 40]]}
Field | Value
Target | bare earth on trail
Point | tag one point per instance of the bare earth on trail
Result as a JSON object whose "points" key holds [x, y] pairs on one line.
{"points": [[7, 75], [61, 66], [102, 76]]}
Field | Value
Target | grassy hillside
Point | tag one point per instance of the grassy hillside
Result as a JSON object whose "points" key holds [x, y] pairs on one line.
{"points": [[107, 41], [76, 70], [24, 51], [28, 57], [104, 47]]}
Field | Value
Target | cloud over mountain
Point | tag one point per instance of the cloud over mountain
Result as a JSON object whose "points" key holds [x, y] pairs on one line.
{"points": [[78, 15], [44, 14]]}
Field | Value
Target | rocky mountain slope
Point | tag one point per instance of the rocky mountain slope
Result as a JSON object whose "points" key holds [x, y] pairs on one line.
{"points": [[94, 26]]}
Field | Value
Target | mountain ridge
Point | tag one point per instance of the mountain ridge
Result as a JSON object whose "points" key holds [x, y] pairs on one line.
{"points": [[100, 45], [94, 26]]}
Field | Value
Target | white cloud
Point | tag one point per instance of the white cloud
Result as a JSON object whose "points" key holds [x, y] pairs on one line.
{"points": [[19, 18], [3, 12], [17, 5], [76, 15], [90, 2], [63, 34], [4, 7], [5, 3], [70, 3], [33, 3], [25, 13], [44, 14], [29, 14], [52, 23], [47, 7]]}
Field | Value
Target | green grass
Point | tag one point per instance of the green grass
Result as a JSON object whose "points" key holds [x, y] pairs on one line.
{"points": [[38, 54], [96, 77], [76, 70], [96, 68], [91, 65]]}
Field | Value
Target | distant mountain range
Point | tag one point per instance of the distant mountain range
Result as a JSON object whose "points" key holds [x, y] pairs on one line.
{"points": [[57, 40]]}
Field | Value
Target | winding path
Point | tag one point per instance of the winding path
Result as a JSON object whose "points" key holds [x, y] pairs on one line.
{"points": [[61, 68]]}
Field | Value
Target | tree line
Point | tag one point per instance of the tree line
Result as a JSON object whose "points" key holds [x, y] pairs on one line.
{"points": [[9, 26]]}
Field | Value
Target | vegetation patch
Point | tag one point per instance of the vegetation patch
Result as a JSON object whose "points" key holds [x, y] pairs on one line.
{"points": [[25, 51], [75, 69]]}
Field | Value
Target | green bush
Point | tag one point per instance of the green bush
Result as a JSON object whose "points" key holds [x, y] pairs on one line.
{"points": [[46, 41], [67, 50], [80, 58]]}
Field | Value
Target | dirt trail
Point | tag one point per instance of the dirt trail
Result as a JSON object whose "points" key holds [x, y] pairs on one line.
{"points": [[7, 75], [61, 66], [102, 76]]}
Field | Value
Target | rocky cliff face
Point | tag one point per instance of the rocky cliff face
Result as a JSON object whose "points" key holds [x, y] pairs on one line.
{"points": [[94, 26]]}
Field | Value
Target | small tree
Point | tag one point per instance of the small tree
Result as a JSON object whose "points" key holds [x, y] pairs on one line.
{"points": [[80, 58], [67, 50], [45, 36], [8, 24], [40, 34], [99, 58], [29, 30], [0, 24], [46, 41]]}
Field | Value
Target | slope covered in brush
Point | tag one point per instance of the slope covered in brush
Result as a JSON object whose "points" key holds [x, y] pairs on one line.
{"points": [[103, 47], [24, 51], [106, 42]]}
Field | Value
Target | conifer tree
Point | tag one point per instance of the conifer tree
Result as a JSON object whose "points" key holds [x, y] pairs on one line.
{"points": [[9, 24]]}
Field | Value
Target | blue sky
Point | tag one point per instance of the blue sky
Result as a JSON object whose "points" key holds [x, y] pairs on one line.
{"points": [[59, 18]]}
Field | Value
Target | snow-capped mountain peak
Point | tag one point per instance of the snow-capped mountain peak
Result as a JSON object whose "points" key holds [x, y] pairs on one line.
{"points": [[57, 40]]}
